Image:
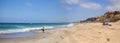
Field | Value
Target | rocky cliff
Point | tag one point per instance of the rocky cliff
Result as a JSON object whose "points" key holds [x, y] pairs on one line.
{"points": [[113, 16]]}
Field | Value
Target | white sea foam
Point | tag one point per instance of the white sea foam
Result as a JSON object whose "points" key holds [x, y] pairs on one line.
{"points": [[71, 24], [33, 28]]}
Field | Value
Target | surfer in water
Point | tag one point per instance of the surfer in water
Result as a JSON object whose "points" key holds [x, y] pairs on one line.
{"points": [[43, 29]]}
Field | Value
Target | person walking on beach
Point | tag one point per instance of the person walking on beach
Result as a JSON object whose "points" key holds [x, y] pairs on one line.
{"points": [[43, 29]]}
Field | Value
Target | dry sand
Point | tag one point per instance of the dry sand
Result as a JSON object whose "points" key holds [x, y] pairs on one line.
{"points": [[80, 33]]}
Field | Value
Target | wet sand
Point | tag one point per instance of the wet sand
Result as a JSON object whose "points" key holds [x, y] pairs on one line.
{"points": [[80, 33]]}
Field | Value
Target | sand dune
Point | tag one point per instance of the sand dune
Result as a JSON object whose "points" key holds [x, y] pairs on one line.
{"points": [[80, 33]]}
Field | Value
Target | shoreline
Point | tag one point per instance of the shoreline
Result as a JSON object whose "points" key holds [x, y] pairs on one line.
{"points": [[16, 35], [27, 33], [27, 29]]}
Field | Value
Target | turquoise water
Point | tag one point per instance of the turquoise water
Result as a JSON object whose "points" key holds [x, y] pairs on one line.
{"points": [[24, 27]]}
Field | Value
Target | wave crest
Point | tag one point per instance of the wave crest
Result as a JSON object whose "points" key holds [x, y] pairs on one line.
{"points": [[33, 28]]}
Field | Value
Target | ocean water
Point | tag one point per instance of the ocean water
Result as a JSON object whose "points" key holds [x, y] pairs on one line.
{"points": [[26, 27]]}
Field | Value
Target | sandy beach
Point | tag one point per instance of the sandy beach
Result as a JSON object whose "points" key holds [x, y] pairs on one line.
{"points": [[80, 33], [59, 21]]}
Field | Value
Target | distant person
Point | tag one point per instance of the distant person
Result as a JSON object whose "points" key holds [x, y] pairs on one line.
{"points": [[106, 22], [43, 29]]}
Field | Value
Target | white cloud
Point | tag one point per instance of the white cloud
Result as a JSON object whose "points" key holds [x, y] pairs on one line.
{"points": [[67, 3], [91, 5], [116, 1], [82, 3], [72, 1], [115, 5]]}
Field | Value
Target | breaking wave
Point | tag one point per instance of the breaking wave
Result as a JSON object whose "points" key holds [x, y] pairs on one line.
{"points": [[27, 29]]}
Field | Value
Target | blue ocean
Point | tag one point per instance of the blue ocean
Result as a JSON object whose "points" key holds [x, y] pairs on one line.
{"points": [[25, 27]]}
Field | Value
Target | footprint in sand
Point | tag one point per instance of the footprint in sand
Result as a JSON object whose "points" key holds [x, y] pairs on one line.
{"points": [[99, 32], [61, 37], [108, 39]]}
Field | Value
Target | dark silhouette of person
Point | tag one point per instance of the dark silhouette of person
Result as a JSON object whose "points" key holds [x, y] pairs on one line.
{"points": [[106, 22], [43, 29]]}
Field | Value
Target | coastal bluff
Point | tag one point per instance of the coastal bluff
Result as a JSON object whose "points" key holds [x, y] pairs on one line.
{"points": [[113, 16]]}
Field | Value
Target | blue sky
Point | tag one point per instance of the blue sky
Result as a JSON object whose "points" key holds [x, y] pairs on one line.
{"points": [[53, 10]]}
